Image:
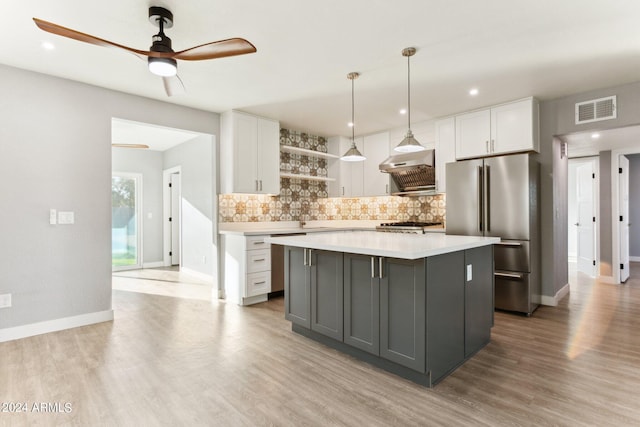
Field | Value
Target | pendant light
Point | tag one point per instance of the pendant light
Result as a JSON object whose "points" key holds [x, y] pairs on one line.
{"points": [[353, 154], [409, 143]]}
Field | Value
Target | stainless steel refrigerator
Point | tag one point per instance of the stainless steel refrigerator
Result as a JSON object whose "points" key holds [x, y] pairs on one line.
{"points": [[498, 197]]}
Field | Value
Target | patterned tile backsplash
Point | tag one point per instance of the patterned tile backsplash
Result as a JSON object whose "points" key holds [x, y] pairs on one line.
{"points": [[307, 200]]}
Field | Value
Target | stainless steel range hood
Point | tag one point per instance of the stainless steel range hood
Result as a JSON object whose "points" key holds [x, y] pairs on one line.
{"points": [[414, 174]]}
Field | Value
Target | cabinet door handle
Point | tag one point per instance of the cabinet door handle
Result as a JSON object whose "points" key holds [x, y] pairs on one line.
{"points": [[258, 260], [509, 275], [487, 143], [260, 283], [493, 148], [260, 185], [258, 243], [310, 263], [373, 268], [386, 189], [343, 191], [380, 274], [256, 185]]}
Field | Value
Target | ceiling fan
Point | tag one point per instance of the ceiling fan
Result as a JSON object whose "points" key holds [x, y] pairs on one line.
{"points": [[160, 56]]}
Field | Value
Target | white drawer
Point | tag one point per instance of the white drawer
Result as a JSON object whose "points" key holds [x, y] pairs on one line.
{"points": [[257, 242], [258, 283], [258, 260]]}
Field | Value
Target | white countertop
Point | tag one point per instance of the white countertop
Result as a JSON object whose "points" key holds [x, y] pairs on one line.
{"points": [[393, 245]]}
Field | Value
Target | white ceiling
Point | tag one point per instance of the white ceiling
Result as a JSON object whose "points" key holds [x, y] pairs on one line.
{"points": [[591, 143], [158, 138], [507, 49]]}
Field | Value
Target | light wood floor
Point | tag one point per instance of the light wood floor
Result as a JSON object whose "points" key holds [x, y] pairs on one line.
{"points": [[183, 361]]}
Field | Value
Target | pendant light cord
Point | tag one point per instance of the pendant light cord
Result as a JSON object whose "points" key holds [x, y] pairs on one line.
{"points": [[353, 122], [409, 92]]}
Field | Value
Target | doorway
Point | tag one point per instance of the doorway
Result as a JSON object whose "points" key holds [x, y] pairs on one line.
{"points": [[126, 232], [583, 219], [172, 202]]}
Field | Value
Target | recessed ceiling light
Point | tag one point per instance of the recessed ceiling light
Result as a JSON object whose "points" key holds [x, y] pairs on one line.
{"points": [[350, 124], [48, 45], [403, 111], [473, 92], [595, 135]]}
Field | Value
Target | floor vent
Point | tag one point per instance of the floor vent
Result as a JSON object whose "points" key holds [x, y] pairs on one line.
{"points": [[596, 110]]}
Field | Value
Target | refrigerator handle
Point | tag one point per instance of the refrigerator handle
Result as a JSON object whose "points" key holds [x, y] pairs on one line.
{"points": [[480, 197], [488, 191]]}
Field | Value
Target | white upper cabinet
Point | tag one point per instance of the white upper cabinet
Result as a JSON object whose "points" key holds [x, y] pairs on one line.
{"points": [[506, 128], [445, 150], [249, 154], [376, 149]]}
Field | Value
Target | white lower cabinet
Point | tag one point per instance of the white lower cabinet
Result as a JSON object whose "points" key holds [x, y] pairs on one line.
{"points": [[247, 268]]}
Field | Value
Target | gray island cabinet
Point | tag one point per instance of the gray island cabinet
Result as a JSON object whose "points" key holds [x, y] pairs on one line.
{"points": [[419, 317]]}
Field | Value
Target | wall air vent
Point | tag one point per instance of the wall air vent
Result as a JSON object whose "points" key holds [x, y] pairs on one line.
{"points": [[596, 110]]}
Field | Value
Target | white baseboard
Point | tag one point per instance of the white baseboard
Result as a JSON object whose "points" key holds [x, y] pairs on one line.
{"points": [[634, 258], [199, 275], [18, 332], [554, 300], [156, 264]]}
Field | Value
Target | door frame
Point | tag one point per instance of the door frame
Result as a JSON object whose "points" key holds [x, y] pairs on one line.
{"points": [[139, 224], [615, 210], [595, 160], [166, 213]]}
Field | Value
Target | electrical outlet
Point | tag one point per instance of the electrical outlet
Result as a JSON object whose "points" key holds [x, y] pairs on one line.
{"points": [[5, 300], [469, 272], [204, 259], [53, 217]]}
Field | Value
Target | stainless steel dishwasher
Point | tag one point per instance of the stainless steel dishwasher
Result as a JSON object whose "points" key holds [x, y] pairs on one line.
{"points": [[277, 266]]}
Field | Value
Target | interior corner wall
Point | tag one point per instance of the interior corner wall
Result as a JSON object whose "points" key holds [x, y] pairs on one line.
{"points": [[149, 164], [196, 160], [606, 252], [56, 153]]}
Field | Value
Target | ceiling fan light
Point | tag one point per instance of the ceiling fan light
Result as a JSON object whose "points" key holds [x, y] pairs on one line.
{"points": [[409, 144], [164, 67]]}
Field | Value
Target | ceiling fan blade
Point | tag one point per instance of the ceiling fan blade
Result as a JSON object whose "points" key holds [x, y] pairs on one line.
{"points": [[129, 145], [87, 38], [173, 85], [219, 49]]}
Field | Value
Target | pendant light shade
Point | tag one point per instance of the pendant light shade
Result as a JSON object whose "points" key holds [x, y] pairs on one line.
{"points": [[353, 154], [409, 143]]}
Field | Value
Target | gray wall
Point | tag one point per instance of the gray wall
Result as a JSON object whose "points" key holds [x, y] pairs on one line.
{"points": [[196, 159], [149, 164], [634, 204], [606, 249], [557, 117], [56, 153]]}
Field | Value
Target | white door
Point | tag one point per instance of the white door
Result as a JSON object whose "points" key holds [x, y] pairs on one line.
{"points": [[585, 190], [623, 176], [175, 218]]}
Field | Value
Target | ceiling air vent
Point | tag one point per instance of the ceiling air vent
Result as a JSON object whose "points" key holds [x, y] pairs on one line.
{"points": [[596, 110]]}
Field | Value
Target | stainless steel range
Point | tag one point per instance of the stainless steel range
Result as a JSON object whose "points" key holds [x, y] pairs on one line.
{"points": [[406, 227]]}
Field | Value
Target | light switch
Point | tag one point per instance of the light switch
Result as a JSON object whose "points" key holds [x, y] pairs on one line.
{"points": [[53, 217], [66, 218], [5, 301], [469, 272], [150, 215]]}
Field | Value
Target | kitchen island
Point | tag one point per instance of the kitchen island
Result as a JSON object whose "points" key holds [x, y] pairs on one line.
{"points": [[416, 305]]}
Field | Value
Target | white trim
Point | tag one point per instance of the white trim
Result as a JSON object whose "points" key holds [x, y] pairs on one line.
{"points": [[166, 211], [634, 258], [554, 300], [18, 332], [155, 264], [198, 274]]}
